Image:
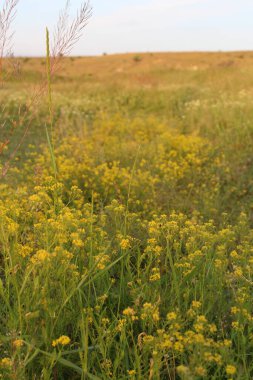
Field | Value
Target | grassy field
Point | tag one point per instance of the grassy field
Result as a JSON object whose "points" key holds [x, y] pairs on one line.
{"points": [[134, 261]]}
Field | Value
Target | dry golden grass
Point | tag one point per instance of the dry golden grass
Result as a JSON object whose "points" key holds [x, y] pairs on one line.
{"points": [[106, 65], [159, 71]]}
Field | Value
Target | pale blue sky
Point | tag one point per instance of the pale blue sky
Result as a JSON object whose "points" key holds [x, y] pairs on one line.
{"points": [[142, 25]]}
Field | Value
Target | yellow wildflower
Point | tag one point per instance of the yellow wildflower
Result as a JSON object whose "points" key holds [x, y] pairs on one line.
{"points": [[18, 343], [148, 339], [217, 358], [238, 272], [155, 315], [125, 244], [200, 371], [201, 319], [196, 304], [35, 198], [102, 260], [167, 343], [150, 310], [183, 370], [171, 316], [178, 346], [218, 263], [63, 341], [208, 356], [25, 251], [40, 257], [230, 370], [129, 312], [155, 276], [227, 343], [234, 254], [199, 338], [78, 243], [235, 310], [235, 325], [6, 362], [198, 327], [212, 328], [121, 324], [103, 298]]}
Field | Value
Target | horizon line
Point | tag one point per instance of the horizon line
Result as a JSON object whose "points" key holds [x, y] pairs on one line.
{"points": [[219, 51]]}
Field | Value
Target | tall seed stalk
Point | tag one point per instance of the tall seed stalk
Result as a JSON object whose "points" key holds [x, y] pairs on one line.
{"points": [[67, 33], [7, 15]]}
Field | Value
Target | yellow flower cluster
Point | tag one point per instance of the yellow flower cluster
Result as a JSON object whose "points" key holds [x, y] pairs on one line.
{"points": [[150, 311], [18, 343], [6, 362], [61, 341], [125, 244], [101, 254]]}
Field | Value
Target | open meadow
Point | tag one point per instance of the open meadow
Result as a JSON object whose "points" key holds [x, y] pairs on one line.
{"points": [[126, 245]]}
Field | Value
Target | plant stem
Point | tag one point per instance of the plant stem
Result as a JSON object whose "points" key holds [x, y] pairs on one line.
{"points": [[50, 106]]}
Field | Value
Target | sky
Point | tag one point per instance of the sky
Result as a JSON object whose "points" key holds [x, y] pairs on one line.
{"points": [[120, 26]]}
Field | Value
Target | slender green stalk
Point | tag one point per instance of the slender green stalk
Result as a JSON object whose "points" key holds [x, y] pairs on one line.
{"points": [[50, 106]]}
